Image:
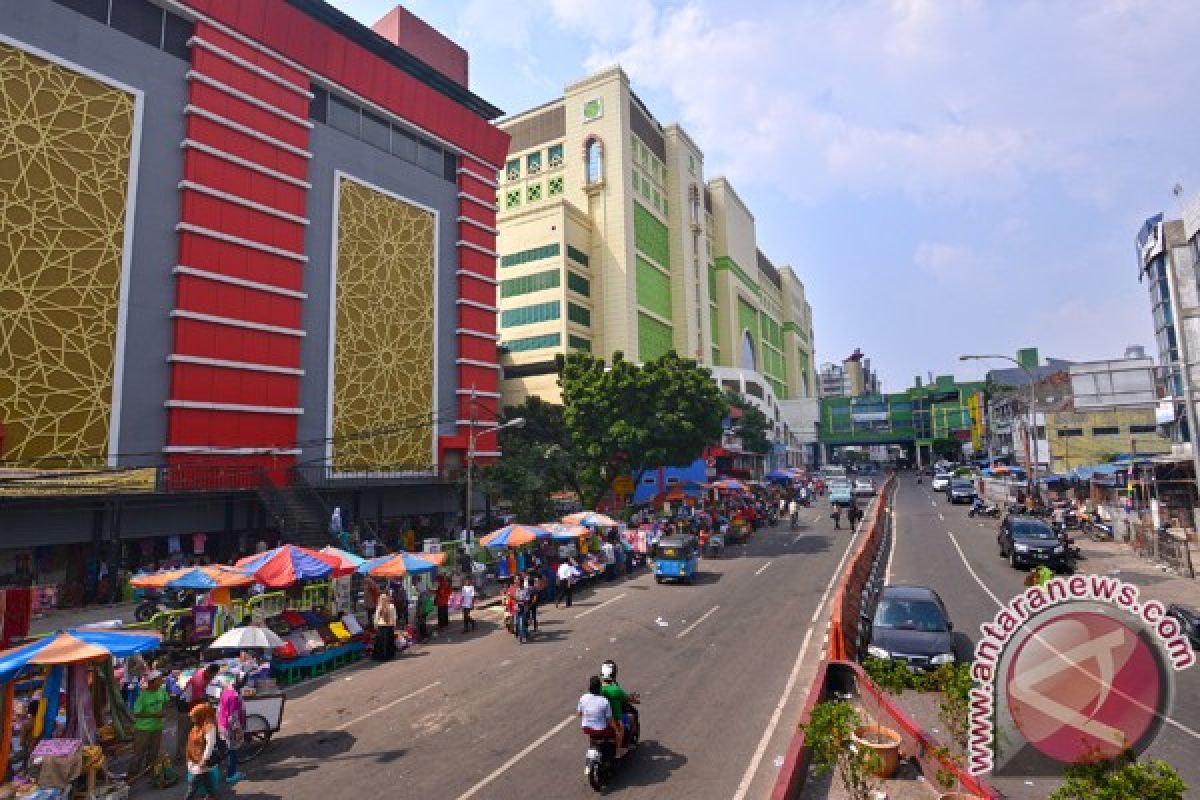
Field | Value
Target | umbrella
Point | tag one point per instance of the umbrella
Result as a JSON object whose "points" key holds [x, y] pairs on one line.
{"points": [[202, 579], [289, 564], [565, 533], [347, 560], [592, 519], [250, 636], [731, 485], [398, 565], [514, 536], [779, 475], [74, 646]]}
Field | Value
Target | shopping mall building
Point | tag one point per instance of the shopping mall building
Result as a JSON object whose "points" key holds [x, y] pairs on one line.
{"points": [[612, 239], [247, 272]]}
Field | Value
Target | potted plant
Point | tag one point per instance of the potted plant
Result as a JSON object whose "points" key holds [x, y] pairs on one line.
{"points": [[829, 737], [884, 745]]}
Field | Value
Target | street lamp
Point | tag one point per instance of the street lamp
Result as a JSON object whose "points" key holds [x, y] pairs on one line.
{"points": [[517, 422], [1031, 424]]}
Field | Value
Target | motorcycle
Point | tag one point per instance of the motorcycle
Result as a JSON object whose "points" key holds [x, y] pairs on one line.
{"points": [[156, 602], [1100, 531], [601, 761], [981, 509]]}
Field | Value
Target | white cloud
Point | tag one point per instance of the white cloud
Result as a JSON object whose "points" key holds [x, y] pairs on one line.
{"points": [[942, 260]]}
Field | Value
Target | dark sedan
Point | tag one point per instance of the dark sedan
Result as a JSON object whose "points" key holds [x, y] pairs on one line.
{"points": [[910, 625], [1028, 541], [961, 491]]}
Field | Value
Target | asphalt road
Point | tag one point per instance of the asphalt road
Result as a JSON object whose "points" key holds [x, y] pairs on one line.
{"points": [[718, 666], [934, 545]]}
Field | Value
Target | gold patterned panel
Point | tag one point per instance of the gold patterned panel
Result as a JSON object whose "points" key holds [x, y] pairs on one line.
{"points": [[383, 356], [65, 146]]}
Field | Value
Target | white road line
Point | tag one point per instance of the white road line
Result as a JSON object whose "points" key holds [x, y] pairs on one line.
{"points": [[602, 605], [932, 503], [887, 572], [762, 569], [971, 570], [507, 765], [797, 539], [386, 706], [943, 519], [692, 627], [756, 759]]}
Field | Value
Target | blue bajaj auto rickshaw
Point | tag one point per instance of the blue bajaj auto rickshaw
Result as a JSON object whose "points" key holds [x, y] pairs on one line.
{"points": [[675, 558]]}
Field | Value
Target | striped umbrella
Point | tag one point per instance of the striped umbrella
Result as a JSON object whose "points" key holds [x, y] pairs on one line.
{"points": [[565, 533], [289, 564], [75, 646], [398, 565], [514, 536], [203, 579], [731, 485], [591, 519], [347, 560]]}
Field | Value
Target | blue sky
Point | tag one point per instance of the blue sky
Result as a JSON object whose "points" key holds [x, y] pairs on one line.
{"points": [[945, 176]]}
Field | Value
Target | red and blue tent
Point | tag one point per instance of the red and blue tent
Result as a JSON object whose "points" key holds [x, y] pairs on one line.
{"points": [[289, 564]]}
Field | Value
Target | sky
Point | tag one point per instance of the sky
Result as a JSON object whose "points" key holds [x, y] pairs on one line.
{"points": [[945, 176]]}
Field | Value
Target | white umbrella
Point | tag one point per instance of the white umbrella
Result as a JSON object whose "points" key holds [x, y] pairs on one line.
{"points": [[251, 636]]}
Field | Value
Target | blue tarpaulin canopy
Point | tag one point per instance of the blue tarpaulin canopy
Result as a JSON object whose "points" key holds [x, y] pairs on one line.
{"points": [[74, 646], [779, 475]]}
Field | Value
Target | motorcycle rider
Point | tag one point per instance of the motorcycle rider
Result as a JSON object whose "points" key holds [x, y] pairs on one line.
{"points": [[624, 714], [794, 512], [595, 711]]}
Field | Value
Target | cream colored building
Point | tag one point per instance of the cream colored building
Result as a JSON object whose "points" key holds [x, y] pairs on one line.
{"points": [[611, 240]]}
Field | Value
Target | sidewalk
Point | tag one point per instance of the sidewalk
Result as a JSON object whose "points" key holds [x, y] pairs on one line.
{"points": [[1156, 583], [63, 618]]}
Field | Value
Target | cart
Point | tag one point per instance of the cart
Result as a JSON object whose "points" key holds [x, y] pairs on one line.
{"points": [[264, 717]]}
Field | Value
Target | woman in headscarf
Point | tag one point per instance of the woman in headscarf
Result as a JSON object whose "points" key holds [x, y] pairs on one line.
{"points": [[201, 744], [231, 725], [385, 628]]}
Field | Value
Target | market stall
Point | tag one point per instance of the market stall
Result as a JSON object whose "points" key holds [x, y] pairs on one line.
{"points": [[75, 723]]}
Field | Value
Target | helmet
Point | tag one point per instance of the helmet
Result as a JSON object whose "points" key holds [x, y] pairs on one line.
{"points": [[608, 670]]}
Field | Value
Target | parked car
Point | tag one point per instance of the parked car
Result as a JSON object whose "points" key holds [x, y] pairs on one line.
{"points": [[910, 624], [1026, 541], [864, 487], [840, 493], [941, 481], [1189, 620], [961, 491]]}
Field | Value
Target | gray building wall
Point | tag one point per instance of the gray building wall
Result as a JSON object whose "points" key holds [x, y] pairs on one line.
{"points": [[334, 151], [75, 38]]}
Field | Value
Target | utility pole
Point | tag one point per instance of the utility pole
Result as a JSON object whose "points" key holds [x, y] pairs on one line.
{"points": [[470, 467]]}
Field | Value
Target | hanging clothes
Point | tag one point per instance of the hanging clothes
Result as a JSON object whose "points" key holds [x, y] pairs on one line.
{"points": [[81, 719]]}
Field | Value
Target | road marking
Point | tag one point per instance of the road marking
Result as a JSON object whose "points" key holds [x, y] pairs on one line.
{"points": [[507, 765], [602, 605], [386, 706], [691, 627], [762, 569], [943, 519], [887, 572], [752, 767], [797, 539]]}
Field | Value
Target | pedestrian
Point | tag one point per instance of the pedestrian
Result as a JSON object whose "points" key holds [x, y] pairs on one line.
{"points": [[193, 694], [535, 599], [231, 726], [385, 629], [131, 682], [564, 584], [441, 599], [468, 604], [524, 590], [371, 599], [424, 609], [837, 517], [400, 600], [148, 711], [201, 745]]}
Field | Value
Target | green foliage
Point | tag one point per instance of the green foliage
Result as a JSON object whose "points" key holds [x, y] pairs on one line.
{"points": [[827, 735], [954, 681], [947, 448], [1121, 778], [856, 456], [536, 460], [625, 418], [753, 427]]}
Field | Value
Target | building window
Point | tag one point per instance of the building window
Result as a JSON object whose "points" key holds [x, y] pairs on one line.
{"points": [[1143, 429], [533, 163], [636, 182], [749, 360], [579, 343], [578, 283], [533, 192], [594, 158], [691, 164], [532, 254], [512, 170], [1108, 430], [1067, 433], [512, 198], [579, 314], [533, 343], [555, 156], [530, 315], [577, 255], [514, 287], [556, 185]]}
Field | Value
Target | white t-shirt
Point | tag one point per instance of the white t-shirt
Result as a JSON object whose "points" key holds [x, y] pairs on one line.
{"points": [[609, 556], [595, 709], [369, 548], [468, 596]]}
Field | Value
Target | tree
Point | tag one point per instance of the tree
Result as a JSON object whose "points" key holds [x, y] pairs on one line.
{"points": [[947, 448], [536, 460], [753, 427], [622, 418]]}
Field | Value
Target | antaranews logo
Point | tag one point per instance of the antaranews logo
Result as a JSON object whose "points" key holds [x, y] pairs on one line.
{"points": [[1073, 671]]}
